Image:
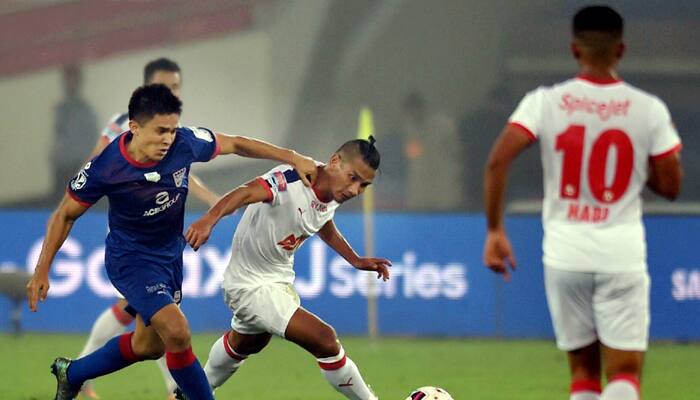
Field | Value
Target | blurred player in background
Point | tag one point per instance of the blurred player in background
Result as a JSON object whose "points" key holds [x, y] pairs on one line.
{"points": [[601, 141], [144, 174], [114, 320], [258, 282]]}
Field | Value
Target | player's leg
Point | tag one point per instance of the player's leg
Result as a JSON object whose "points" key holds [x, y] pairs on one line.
{"points": [[570, 298], [172, 326], [119, 352], [622, 309], [112, 322], [170, 384], [229, 352], [319, 339]]}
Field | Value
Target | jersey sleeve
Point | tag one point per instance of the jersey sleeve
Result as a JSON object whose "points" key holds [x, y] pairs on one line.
{"points": [[664, 137], [203, 142], [86, 188], [276, 182], [116, 125], [528, 114]]}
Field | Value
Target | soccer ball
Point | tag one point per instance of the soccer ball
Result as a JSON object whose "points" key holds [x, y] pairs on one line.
{"points": [[429, 393]]}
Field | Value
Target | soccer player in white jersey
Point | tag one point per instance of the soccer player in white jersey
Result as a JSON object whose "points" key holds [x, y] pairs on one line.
{"points": [[282, 213], [115, 319], [601, 141]]}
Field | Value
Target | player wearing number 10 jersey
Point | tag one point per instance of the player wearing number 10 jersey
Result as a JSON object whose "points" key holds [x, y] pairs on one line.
{"points": [[601, 141]]}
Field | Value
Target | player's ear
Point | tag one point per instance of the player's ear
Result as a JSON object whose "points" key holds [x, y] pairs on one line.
{"points": [[620, 50], [133, 126], [335, 160], [575, 50]]}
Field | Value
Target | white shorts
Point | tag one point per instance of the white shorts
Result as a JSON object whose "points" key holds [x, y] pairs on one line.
{"points": [[586, 307], [265, 308]]}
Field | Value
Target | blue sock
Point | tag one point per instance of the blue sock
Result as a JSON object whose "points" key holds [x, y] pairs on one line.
{"points": [[189, 375], [113, 356]]}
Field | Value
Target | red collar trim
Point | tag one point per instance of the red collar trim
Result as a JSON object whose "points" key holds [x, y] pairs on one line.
{"points": [[599, 81], [320, 196], [125, 154]]}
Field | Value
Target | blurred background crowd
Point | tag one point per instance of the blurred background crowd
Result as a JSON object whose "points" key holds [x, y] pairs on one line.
{"points": [[440, 76]]}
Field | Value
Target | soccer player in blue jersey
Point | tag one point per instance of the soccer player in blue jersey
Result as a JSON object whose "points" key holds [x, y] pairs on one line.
{"points": [[144, 174]]}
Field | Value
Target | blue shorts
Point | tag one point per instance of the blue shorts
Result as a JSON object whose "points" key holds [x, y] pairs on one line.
{"points": [[147, 283]]}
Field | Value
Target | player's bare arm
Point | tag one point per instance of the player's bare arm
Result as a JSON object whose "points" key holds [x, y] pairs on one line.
{"points": [[252, 192], [497, 249], [665, 176], [333, 238], [248, 147], [57, 230], [202, 192]]}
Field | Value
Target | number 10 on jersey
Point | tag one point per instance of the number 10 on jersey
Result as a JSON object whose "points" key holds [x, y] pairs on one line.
{"points": [[571, 143]]}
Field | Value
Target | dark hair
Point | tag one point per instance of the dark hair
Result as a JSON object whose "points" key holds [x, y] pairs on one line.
{"points": [[149, 100], [160, 64], [364, 148], [598, 19]]}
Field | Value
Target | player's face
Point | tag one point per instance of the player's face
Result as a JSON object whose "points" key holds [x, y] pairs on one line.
{"points": [[349, 178], [170, 79], [154, 138]]}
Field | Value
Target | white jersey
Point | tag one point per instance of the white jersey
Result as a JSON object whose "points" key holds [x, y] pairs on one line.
{"points": [[117, 124], [269, 233], [596, 139]]}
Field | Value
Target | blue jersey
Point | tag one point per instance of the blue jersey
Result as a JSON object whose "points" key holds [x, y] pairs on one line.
{"points": [[146, 200]]}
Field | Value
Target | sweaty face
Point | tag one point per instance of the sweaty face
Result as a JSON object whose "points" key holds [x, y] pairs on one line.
{"points": [[350, 176], [154, 138], [170, 79]]}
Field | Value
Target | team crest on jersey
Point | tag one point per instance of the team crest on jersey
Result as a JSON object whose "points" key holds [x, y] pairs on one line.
{"points": [[81, 179], [280, 181], [178, 176]]}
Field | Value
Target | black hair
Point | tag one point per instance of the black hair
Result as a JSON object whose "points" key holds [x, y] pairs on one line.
{"points": [[160, 64], [364, 148], [598, 19], [149, 100]]}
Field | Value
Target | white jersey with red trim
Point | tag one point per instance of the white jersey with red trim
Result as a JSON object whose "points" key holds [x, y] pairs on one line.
{"points": [[117, 124], [270, 232], [596, 139]]}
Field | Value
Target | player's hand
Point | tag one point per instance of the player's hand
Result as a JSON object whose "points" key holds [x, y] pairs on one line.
{"points": [[380, 265], [198, 233], [306, 167], [37, 289], [498, 253]]}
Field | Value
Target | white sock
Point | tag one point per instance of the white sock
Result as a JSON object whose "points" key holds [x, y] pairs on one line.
{"points": [[222, 363], [621, 387], [110, 323], [585, 390], [170, 383], [342, 373]]}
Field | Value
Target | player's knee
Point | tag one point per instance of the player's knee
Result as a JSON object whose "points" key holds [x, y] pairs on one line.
{"points": [[177, 338], [327, 344], [148, 350]]}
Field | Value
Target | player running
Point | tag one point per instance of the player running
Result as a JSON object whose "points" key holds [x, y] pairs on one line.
{"points": [[115, 319], [281, 215], [144, 174], [601, 141]]}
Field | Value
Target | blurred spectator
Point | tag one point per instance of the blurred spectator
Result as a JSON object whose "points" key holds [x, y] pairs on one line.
{"points": [[74, 129], [478, 130], [433, 157]]}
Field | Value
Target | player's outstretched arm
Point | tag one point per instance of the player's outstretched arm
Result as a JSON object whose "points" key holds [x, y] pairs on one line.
{"points": [[202, 192], [248, 147], [497, 249], [665, 176], [333, 238], [252, 192], [57, 230]]}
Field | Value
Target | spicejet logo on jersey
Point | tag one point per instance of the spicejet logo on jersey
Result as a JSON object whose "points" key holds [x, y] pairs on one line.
{"points": [[603, 109], [280, 181], [291, 242]]}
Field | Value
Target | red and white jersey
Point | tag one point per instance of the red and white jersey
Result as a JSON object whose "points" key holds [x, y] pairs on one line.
{"points": [[117, 124], [270, 232], [596, 139]]}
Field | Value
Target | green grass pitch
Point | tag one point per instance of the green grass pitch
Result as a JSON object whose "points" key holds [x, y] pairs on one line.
{"points": [[469, 369]]}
